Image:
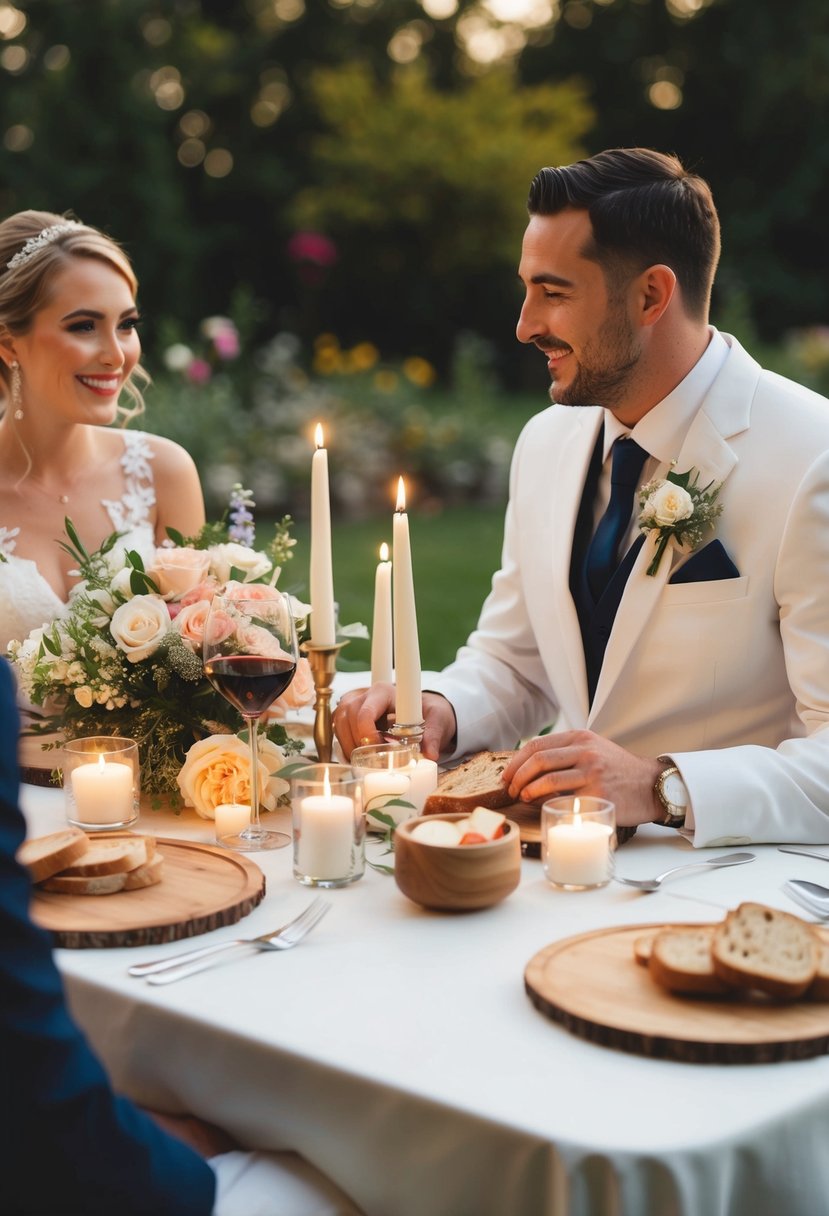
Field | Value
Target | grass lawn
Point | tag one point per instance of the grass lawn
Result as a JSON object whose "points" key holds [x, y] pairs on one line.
{"points": [[454, 554]]}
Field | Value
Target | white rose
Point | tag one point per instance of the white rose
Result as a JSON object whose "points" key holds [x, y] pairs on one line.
{"points": [[230, 556], [121, 583], [669, 504], [217, 770], [139, 625]]}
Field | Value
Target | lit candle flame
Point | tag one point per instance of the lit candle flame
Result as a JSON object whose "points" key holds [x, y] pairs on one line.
{"points": [[384, 552], [577, 812], [101, 762], [401, 495], [326, 785], [319, 440]]}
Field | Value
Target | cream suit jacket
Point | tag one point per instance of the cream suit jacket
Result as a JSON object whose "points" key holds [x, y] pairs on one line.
{"points": [[729, 677]]}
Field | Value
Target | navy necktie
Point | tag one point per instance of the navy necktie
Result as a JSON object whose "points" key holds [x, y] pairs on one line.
{"points": [[603, 554]]}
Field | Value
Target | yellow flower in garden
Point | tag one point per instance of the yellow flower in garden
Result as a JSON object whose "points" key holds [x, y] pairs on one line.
{"points": [[326, 342], [385, 381], [419, 371], [328, 360], [363, 356]]}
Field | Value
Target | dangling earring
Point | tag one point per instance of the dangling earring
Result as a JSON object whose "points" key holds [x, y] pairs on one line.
{"points": [[15, 389]]}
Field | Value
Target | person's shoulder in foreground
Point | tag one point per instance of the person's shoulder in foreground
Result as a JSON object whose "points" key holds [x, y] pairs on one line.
{"points": [[68, 1144]]}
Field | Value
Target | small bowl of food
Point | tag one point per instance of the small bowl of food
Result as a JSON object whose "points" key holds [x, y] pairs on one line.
{"points": [[458, 862]]}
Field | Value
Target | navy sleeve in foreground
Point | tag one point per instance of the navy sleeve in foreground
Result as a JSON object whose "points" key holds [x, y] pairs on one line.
{"points": [[68, 1144]]}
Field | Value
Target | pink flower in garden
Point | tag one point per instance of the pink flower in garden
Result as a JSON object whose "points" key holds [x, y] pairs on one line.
{"points": [[312, 247], [198, 371], [226, 343]]}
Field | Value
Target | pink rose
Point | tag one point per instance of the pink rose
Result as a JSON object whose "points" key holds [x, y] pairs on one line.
{"points": [[190, 621], [205, 590], [251, 591], [300, 691], [176, 571], [222, 626]]}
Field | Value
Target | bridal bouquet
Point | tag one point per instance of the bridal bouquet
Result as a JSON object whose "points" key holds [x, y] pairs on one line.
{"points": [[124, 657]]}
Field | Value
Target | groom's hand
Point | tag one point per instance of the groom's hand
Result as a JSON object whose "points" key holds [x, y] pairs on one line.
{"points": [[581, 762], [364, 715]]}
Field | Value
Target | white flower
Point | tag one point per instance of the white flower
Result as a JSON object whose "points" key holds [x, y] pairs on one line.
{"points": [[177, 357], [83, 696], [139, 626], [668, 505], [232, 556], [121, 583], [217, 770]]}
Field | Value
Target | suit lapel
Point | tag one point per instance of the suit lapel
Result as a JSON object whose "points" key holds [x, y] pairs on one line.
{"points": [[725, 413]]}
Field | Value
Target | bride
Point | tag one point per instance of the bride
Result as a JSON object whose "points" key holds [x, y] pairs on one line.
{"points": [[69, 350]]}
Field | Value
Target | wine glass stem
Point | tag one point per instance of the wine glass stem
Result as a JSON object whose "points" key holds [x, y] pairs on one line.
{"points": [[253, 724]]}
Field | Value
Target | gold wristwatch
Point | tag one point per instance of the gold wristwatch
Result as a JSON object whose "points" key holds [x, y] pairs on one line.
{"points": [[672, 794]]}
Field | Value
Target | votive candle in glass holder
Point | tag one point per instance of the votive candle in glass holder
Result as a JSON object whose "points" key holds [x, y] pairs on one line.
{"points": [[578, 841], [387, 771], [231, 819], [329, 825], [101, 782]]}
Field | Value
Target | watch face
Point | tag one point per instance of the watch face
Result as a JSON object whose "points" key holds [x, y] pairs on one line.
{"points": [[675, 791]]}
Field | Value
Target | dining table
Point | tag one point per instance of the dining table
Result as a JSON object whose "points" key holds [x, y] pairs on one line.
{"points": [[397, 1049]]}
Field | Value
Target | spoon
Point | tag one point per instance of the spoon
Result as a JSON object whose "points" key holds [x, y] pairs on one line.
{"points": [[653, 884], [810, 895], [790, 848]]}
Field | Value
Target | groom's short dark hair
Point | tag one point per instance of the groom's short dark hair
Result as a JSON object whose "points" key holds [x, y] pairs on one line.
{"points": [[644, 208]]}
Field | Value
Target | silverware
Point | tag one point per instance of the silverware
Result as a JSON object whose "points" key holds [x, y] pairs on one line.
{"points": [[653, 884], [790, 848], [176, 967], [810, 895]]}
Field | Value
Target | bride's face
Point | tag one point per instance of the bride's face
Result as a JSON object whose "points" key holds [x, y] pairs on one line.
{"points": [[81, 347]]}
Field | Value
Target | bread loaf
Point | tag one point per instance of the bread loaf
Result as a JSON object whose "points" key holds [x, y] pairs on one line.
{"points": [[681, 960], [476, 782], [47, 855], [112, 856], [764, 948], [145, 876]]}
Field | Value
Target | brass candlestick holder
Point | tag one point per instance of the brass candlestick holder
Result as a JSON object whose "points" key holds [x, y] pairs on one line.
{"points": [[323, 661]]}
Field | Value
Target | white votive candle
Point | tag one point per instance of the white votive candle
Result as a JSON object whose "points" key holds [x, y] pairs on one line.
{"points": [[231, 818], [326, 835], [424, 779], [103, 791], [578, 853], [383, 784]]}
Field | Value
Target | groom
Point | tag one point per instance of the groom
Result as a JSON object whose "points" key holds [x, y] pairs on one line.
{"points": [[695, 694]]}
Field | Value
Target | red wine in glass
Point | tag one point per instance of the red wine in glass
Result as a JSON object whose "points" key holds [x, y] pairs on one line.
{"points": [[248, 682], [250, 657]]}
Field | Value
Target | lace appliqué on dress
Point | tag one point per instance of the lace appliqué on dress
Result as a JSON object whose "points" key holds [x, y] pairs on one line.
{"points": [[7, 542], [132, 510]]}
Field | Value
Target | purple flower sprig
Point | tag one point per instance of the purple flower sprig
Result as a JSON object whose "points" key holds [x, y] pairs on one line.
{"points": [[241, 527]]}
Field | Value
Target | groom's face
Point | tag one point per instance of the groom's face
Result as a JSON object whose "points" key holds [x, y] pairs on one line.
{"points": [[582, 326]]}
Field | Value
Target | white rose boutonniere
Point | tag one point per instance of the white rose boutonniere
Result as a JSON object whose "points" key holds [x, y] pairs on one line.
{"points": [[677, 508]]}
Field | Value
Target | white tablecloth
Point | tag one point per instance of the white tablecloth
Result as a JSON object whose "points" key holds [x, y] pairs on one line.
{"points": [[397, 1050]]}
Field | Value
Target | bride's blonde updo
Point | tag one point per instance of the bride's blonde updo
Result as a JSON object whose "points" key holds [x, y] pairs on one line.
{"points": [[39, 244]]}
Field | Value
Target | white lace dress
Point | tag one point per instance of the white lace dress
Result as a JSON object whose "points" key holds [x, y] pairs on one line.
{"points": [[26, 599]]}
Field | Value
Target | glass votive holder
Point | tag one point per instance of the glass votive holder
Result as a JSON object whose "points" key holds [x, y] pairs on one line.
{"points": [[230, 819], [101, 782], [387, 770], [329, 825], [578, 841]]}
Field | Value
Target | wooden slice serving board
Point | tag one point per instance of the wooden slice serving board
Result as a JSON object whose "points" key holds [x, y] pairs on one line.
{"points": [[202, 887], [593, 986]]}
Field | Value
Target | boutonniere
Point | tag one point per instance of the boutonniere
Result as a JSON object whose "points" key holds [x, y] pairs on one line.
{"points": [[677, 508]]}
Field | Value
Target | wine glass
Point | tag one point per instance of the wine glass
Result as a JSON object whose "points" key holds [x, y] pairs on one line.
{"points": [[250, 657]]}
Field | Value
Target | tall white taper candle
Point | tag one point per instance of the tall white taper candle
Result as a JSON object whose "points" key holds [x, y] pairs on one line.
{"points": [[409, 702], [322, 577], [381, 632]]}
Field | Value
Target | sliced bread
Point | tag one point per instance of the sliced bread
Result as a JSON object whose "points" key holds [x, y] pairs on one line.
{"points": [[47, 855], [145, 875], [476, 782], [766, 949], [680, 960], [112, 856]]}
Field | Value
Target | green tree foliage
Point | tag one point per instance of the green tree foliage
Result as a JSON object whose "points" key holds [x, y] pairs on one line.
{"points": [[425, 191]]}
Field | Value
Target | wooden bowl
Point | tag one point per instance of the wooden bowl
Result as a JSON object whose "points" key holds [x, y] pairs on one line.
{"points": [[456, 878]]}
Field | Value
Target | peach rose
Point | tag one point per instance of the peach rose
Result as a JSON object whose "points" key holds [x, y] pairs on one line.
{"points": [[204, 590], [300, 691], [217, 770], [177, 571], [251, 591], [190, 621]]}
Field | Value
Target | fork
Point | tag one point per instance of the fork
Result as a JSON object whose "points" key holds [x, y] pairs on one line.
{"points": [[165, 971], [653, 884]]}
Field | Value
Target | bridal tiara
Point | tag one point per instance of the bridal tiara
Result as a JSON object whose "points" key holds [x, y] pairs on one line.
{"points": [[36, 243]]}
